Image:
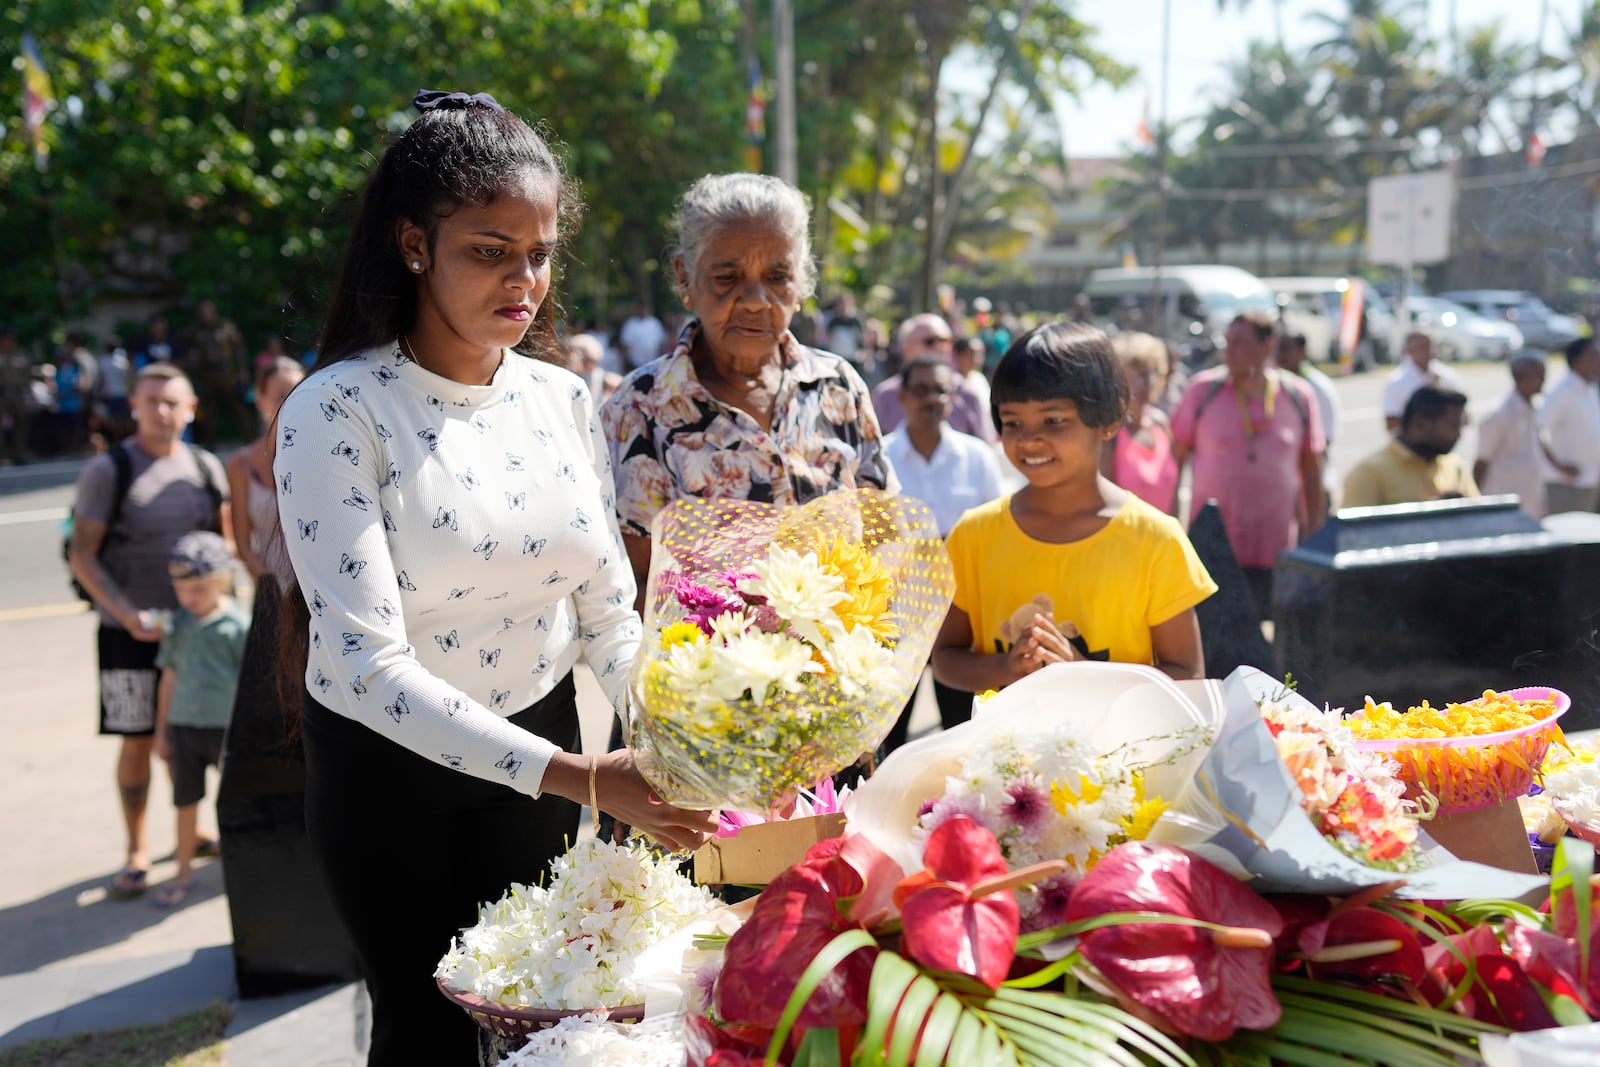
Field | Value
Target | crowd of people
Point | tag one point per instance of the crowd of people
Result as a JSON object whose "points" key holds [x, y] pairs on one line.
{"points": [[75, 400], [454, 527]]}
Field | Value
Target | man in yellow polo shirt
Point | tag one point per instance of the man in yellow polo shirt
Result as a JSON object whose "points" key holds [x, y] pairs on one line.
{"points": [[1418, 464]]}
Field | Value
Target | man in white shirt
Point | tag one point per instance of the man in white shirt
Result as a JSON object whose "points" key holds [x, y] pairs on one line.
{"points": [[643, 337], [946, 469], [1511, 452], [1570, 420], [1419, 368], [1290, 355]]}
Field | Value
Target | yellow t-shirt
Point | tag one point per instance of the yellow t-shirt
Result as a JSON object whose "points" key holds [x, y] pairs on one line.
{"points": [[1136, 573]]}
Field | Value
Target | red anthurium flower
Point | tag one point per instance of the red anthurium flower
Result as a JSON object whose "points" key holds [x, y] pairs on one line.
{"points": [[1555, 962], [1502, 993], [710, 1045], [1363, 943], [794, 918], [1189, 978], [873, 903], [948, 926]]}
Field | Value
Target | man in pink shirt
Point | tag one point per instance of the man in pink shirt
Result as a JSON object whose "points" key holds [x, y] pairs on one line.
{"points": [[1256, 438]]}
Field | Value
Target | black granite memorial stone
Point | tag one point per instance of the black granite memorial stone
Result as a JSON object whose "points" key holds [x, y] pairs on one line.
{"points": [[1440, 601]]}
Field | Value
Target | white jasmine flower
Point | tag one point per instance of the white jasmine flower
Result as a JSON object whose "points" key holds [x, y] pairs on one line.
{"points": [[572, 944]]}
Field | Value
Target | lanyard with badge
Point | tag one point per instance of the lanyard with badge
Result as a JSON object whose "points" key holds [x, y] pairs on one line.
{"points": [[1268, 405]]}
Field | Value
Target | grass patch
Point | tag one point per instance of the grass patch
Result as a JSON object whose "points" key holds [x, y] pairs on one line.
{"points": [[193, 1040]]}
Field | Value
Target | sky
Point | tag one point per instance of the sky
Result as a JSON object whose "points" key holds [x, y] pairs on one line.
{"points": [[1104, 120]]}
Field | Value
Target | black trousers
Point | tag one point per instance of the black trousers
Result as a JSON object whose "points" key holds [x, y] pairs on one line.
{"points": [[955, 708], [409, 849]]}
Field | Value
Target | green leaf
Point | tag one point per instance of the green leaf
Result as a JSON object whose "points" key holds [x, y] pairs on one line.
{"points": [[1046, 975], [1342, 1013], [819, 1048], [937, 1032], [1573, 867]]}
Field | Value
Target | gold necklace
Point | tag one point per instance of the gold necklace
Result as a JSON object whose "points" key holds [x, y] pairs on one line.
{"points": [[411, 353]]}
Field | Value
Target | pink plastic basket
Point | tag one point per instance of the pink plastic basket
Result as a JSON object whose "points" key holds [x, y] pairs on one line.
{"points": [[512, 1021], [1466, 773]]}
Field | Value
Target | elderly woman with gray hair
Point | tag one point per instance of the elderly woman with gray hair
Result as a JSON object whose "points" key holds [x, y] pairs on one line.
{"points": [[739, 409]]}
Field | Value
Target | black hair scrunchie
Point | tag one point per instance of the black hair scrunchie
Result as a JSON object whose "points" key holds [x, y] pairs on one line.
{"points": [[444, 100]]}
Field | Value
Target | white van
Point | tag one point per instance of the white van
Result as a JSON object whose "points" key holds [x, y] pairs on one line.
{"points": [[1313, 306], [1198, 303]]}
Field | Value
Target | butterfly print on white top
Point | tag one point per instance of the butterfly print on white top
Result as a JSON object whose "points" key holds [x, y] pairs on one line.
{"points": [[386, 549]]}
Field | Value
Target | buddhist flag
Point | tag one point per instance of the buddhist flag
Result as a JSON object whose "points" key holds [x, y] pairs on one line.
{"points": [[1351, 308], [755, 119], [36, 98], [1534, 150], [1141, 133]]}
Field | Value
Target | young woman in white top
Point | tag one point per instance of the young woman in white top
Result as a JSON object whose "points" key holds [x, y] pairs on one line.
{"points": [[249, 469], [447, 505]]}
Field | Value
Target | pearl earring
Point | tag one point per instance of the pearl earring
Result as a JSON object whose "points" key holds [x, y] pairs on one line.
{"points": [[416, 264]]}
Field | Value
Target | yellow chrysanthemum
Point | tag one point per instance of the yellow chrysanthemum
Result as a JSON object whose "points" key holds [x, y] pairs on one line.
{"points": [[680, 633], [1137, 826], [1063, 797], [867, 586]]}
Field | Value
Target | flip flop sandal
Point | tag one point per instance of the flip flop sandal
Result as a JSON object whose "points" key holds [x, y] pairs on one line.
{"points": [[128, 883], [208, 847], [172, 894]]}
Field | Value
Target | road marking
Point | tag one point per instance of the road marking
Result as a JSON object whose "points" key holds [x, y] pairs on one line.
{"points": [[45, 611], [17, 518]]}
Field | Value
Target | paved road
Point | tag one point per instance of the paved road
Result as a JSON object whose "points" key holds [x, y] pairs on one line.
{"points": [[71, 959]]}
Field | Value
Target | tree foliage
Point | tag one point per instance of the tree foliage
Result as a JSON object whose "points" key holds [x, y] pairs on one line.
{"points": [[212, 148]]}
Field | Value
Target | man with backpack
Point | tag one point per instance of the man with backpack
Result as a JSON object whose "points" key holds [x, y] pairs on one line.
{"points": [[133, 504], [1255, 435]]}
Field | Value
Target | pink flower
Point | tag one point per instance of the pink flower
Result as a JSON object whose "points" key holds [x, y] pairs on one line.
{"points": [[1027, 804]]}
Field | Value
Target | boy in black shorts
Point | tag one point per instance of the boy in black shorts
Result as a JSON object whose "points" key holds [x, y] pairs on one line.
{"points": [[199, 661]]}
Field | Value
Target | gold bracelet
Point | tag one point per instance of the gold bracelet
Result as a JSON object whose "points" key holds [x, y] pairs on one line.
{"points": [[594, 801]]}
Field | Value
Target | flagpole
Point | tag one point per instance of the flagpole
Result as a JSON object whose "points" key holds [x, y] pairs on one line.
{"points": [[788, 161], [1158, 303]]}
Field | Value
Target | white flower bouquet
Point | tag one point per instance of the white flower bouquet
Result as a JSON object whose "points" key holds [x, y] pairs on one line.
{"points": [[577, 943], [783, 642], [1064, 765]]}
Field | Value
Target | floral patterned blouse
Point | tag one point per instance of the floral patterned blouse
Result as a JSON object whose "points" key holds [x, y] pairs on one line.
{"points": [[670, 438]]}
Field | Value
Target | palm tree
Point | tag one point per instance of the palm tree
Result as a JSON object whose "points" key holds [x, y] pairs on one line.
{"points": [[1489, 69]]}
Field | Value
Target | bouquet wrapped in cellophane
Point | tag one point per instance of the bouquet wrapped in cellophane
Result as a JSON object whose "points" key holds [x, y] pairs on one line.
{"points": [[781, 642]]}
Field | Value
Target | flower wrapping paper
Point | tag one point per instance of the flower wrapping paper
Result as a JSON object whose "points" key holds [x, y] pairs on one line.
{"points": [[1245, 815], [782, 642], [1230, 800]]}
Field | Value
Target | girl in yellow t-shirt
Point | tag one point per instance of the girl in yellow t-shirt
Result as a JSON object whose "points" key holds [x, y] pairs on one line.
{"points": [[1070, 567]]}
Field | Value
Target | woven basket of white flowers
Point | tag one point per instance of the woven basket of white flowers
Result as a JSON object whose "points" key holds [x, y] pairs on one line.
{"points": [[572, 946]]}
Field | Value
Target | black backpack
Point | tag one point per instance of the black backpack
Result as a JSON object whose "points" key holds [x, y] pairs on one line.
{"points": [[123, 463]]}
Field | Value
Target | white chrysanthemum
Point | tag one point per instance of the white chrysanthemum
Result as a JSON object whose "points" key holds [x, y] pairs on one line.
{"points": [[862, 663], [759, 662], [688, 668], [1065, 754], [799, 590], [1079, 830]]}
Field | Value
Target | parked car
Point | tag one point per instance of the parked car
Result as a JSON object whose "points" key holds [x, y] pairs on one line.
{"points": [[1314, 306], [1541, 326], [1460, 333], [1199, 300]]}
